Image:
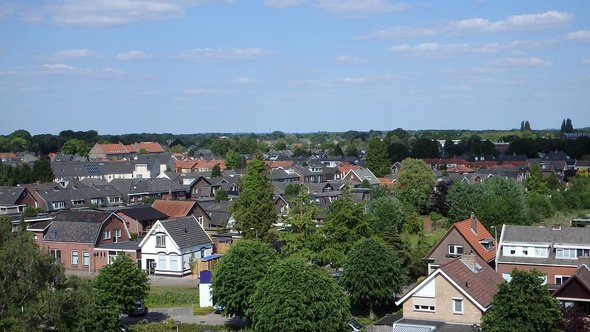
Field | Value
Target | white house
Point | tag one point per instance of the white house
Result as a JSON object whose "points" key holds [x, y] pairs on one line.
{"points": [[171, 245]]}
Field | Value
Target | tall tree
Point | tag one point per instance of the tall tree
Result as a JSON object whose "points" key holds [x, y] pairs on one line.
{"points": [[523, 304], [527, 126], [75, 146], [569, 128], [385, 213], [338, 150], [234, 160], [297, 296], [254, 209], [416, 181], [463, 199], [123, 282], [372, 274], [425, 148], [502, 199], [236, 275], [536, 181], [563, 127], [397, 152], [521, 125], [377, 159], [298, 238], [215, 170]]}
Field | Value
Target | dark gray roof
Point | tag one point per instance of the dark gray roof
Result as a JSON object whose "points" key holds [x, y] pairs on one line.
{"points": [[143, 213], [137, 186], [132, 245], [405, 325], [73, 231], [53, 192], [186, 232], [91, 216], [9, 195], [217, 211]]}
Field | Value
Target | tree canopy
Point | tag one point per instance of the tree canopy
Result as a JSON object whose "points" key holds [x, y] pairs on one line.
{"points": [[416, 182], [236, 275], [254, 209], [523, 304], [297, 296], [377, 158]]}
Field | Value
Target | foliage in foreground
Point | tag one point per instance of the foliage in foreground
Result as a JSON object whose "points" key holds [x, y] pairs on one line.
{"points": [[298, 296]]}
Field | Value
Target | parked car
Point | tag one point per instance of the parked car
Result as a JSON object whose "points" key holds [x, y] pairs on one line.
{"points": [[140, 309], [354, 325], [217, 308]]}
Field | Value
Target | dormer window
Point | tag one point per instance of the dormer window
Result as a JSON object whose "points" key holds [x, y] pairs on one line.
{"points": [[58, 205], [160, 241], [455, 250]]}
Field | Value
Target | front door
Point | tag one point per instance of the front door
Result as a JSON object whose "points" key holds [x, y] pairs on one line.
{"points": [[151, 266]]}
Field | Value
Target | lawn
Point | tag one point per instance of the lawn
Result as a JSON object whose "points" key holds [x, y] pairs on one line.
{"points": [[564, 217], [172, 296]]}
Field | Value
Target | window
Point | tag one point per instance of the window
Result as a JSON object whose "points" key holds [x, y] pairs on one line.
{"points": [[161, 261], [566, 253], [541, 252], [507, 277], [55, 253], [96, 201], [106, 235], [85, 258], [58, 205], [74, 258], [583, 252], [77, 202], [117, 232], [429, 308], [455, 250], [115, 199], [560, 280], [173, 262], [160, 241], [202, 252], [458, 306]]}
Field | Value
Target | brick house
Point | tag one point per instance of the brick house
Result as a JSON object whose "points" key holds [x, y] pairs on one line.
{"points": [[139, 219], [14, 200], [464, 237], [75, 237], [554, 251], [574, 293], [459, 291]]}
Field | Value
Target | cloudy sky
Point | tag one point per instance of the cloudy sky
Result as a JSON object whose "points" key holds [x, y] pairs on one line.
{"points": [[188, 66]]}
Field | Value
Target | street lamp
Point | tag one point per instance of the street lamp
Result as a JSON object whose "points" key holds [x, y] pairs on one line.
{"points": [[255, 230], [177, 322]]}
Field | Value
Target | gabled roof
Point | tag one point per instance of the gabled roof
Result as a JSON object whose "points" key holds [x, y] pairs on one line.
{"points": [[478, 283], [143, 213], [185, 232], [185, 164], [113, 148], [472, 237], [364, 174], [174, 209], [10, 195], [80, 226], [150, 147], [582, 277]]}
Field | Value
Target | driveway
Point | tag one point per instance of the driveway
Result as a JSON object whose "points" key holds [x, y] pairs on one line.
{"points": [[185, 315]]}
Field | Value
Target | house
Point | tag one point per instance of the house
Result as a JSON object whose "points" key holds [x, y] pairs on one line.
{"points": [[556, 251], [171, 246], [313, 174], [148, 148], [175, 209], [134, 191], [459, 291], [140, 219], [116, 151], [14, 200], [574, 293], [464, 237], [197, 185], [361, 175], [217, 213], [73, 195], [75, 237]]}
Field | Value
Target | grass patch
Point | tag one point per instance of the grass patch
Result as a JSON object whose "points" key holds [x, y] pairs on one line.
{"points": [[564, 217], [171, 296], [171, 326], [202, 311]]}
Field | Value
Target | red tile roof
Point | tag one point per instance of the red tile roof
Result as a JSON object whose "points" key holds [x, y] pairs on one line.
{"points": [[481, 284], [185, 164], [210, 163], [279, 163], [174, 209], [131, 148], [346, 167], [386, 183], [150, 147], [113, 148], [473, 238], [460, 169]]}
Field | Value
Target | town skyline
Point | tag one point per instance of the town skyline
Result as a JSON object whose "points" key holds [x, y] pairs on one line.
{"points": [[292, 65]]}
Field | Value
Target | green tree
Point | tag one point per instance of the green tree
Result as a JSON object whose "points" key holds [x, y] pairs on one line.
{"points": [[297, 239], [523, 304], [254, 209], [385, 213], [538, 206], [527, 126], [338, 150], [236, 275], [345, 224], [536, 182], [569, 128], [234, 160], [377, 158], [578, 195], [416, 181], [372, 274], [293, 189], [425, 148], [75, 146], [563, 127], [502, 200], [221, 195], [351, 150], [463, 199], [215, 170], [123, 282], [297, 296]]}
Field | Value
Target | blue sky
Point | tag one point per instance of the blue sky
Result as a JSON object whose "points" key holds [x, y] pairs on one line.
{"points": [[188, 66]]}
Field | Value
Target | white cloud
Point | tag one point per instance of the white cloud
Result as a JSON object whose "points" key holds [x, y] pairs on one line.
{"points": [[60, 67], [532, 61], [283, 3], [243, 81], [516, 22], [353, 80], [7, 8], [132, 55], [216, 55], [351, 59], [525, 22], [583, 35], [105, 13], [585, 62], [76, 53], [470, 48], [361, 7]]}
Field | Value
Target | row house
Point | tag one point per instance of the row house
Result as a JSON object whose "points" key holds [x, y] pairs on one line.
{"points": [[84, 240], [464, 237], [555, 251], [53, 197], [134, 191], [121, 151], [14, 200], [197, 165]]}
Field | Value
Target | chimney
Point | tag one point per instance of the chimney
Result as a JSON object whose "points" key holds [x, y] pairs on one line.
{"points": [[470, 261], [473, 223]]}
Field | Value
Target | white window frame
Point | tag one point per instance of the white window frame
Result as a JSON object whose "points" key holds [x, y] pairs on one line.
{"points": [[559, 279], [161, 241], [424, 308], [117, 232], [85, 258], [75, 257], [106, 235], [58, 205], [162, 262], [455, 248], [566, 253], [454, 303], [96, 201], [173, 262]]}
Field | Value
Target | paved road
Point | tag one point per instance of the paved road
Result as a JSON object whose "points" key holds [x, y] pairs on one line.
{"points": [[188, 281], [185, 315]]}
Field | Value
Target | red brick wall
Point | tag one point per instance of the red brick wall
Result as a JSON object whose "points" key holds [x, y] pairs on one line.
{"points": [[111, 225], [550, 271]]}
